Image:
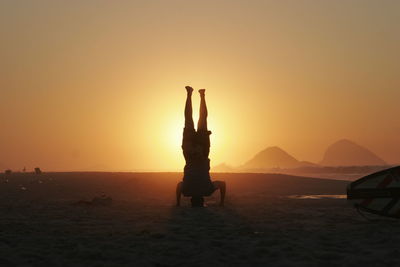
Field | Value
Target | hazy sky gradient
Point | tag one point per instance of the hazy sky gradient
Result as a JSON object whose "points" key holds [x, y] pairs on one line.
{"points": [[99, 85]]}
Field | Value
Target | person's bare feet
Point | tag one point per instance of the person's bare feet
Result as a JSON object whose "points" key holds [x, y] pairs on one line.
{"points": [[202, 92], [189, 89]]}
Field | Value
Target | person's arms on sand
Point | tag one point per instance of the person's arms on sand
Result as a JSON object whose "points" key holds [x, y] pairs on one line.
{"points": [[178, 194], [221, 185]]}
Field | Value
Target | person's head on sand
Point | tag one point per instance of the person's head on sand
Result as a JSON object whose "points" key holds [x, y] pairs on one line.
{"points": [[197, 201]]}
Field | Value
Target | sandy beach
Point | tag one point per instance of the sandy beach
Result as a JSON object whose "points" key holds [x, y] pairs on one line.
{"points": [[268, 219]]}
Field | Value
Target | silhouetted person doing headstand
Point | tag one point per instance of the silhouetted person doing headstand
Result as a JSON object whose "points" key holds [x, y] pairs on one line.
{"points": [[196, 148]]}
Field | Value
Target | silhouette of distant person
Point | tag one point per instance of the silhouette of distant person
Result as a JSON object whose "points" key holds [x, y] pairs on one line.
{"points": [[196, 148]]}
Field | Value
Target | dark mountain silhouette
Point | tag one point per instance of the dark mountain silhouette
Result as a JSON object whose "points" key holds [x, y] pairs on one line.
{"points": [[272, 158], [343, 153], [348, 153]]}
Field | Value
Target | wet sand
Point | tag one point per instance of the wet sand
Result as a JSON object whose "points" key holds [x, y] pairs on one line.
{"points": [[269, 219]]}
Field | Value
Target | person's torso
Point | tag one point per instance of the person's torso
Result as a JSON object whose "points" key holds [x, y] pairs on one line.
{"points": [[197, 168]]}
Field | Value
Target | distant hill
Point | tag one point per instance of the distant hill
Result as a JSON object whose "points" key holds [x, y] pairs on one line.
{"points": [[273, 158], [348, 153]]}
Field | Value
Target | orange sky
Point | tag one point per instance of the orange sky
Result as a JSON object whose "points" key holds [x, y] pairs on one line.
{"points": [[99, 85]]}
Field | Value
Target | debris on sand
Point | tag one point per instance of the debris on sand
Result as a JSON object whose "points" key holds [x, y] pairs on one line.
{"points": [[102, 200]]}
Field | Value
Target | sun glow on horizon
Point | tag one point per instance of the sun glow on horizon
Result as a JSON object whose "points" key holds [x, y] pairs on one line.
{"points": [[100, 86], [171, 142]]}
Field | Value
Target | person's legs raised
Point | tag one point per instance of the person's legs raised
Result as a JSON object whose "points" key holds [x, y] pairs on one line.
{"points": [[189, 131], [202, 128], [202, 123], [189, 124]]}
